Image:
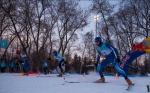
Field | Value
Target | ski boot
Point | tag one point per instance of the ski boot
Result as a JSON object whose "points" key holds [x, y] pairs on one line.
{"points": [[62, 72], [128, 81], [101, 80], [130, 84], [60, 75], [25, 74]]}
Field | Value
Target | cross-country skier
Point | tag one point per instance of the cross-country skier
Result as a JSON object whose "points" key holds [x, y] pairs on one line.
{"points": [[111, 56], [45, 67], [12, 66], [3, 66], [26, 66], [61, 60]]}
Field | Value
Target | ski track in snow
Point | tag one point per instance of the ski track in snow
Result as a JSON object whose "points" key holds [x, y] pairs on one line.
{"points": [[15, 83]]}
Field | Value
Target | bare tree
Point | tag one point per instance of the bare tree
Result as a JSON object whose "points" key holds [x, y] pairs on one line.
{"points": [[18, 18], [105, 9], [89, 46], [142, 14], [71, 20], [4, 23], [126, 31]]}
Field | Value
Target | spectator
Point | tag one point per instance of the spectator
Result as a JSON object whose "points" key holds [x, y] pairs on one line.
{"points": [[3, 66]]}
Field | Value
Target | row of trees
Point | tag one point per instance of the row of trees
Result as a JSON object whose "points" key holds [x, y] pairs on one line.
{"points": [[37, 26], [128, 24]]}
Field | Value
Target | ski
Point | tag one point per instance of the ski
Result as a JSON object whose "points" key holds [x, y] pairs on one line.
{"points": [[81, 82], [129, 87], [53, 76], [99, 82], [72, 82]]}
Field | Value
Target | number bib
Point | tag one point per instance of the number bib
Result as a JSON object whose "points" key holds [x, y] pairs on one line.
{"points": [[104, 50]]}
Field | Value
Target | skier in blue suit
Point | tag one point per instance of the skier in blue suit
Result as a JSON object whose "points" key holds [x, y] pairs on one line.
{"points": [[12, 66], [45, 67], [62, 62], [111, 56], [3, 66], [26, 65]]}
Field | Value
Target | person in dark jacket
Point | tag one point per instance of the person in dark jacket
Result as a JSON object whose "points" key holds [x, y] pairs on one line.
{"points": [[3, 66]]}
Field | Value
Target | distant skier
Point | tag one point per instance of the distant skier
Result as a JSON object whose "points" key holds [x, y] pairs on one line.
{"points": [[17, 64], [45, 67], [111, 56], [12, 66], [61, 60], [3, 66], [26, 66]]}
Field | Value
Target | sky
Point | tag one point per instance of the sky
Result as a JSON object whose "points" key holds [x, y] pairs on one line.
{"points": [[85, 4], [35, 83]]}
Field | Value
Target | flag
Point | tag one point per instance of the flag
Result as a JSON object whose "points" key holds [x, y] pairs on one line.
{"points": [[3, 43]]}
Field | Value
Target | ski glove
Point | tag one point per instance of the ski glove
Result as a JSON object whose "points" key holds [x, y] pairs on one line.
{"points": [[52, 59], [48, 58], [118, 59], [65, 61]]}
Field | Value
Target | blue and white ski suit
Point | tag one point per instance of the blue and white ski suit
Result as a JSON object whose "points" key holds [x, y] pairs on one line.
{"points": [[61, 60], [59, 57], [44, 64], [26, 66], [110, 54], [45, 67], [3, 64]]}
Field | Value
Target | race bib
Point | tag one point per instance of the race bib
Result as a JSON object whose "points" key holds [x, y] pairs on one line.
{"points": [[104, 50]]}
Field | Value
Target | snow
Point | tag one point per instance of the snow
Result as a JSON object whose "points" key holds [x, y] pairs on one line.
{"points": [[15, 83]]}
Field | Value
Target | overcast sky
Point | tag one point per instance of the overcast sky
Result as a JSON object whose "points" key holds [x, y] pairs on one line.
{"points": [[86, 4], [92, 26]]}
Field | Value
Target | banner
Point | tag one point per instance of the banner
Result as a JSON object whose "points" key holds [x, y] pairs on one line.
{"points": [[3, 43]]}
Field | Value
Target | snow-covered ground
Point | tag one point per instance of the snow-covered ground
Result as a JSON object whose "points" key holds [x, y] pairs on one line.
{"points": [[15, 83]]}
